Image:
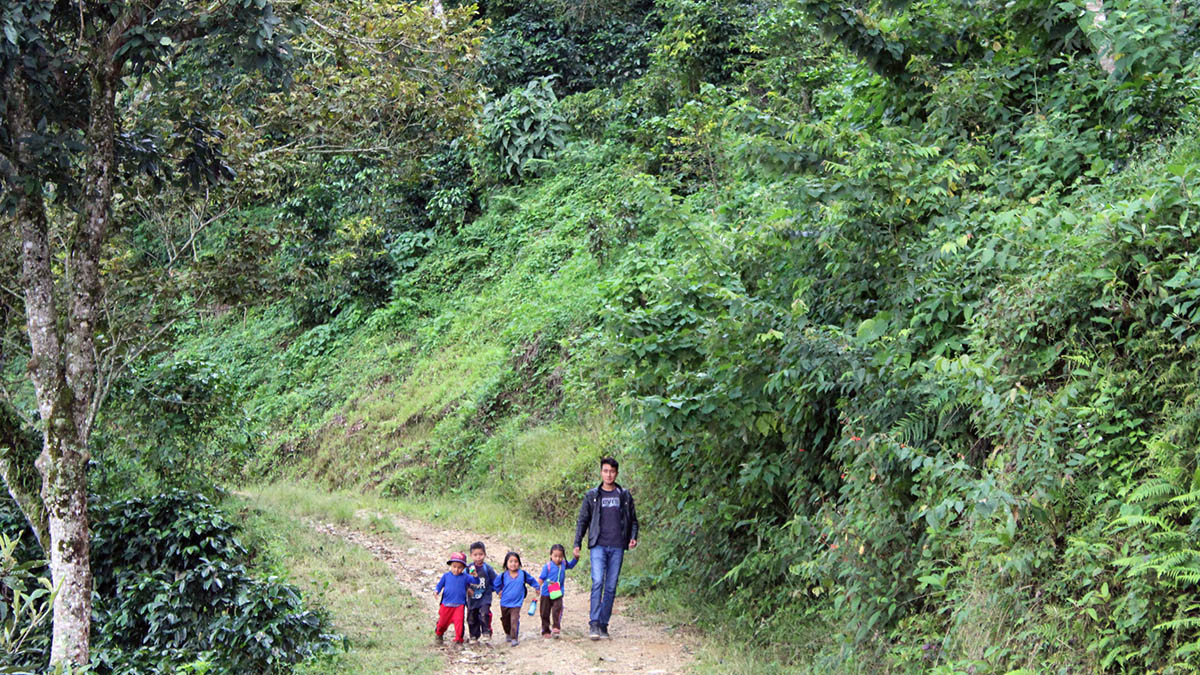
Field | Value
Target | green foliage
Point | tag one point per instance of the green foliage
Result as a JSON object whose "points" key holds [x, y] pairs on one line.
{"points": [[520, 128], [702, 42], [172, 588], [174, 424], [585, 45], [28, 600]]}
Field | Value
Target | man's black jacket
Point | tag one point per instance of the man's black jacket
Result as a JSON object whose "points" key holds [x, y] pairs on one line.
{"points": [[589, 517]]}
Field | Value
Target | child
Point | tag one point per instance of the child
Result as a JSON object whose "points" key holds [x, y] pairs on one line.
{"points": [[553, 577], [453, 587], [479, 601], [510, 584]]}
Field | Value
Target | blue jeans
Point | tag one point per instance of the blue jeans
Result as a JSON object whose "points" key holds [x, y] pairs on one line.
{"points": [[606, 567]]}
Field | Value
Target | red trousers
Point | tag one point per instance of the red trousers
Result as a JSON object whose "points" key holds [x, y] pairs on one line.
{"points": [[446, 615]]}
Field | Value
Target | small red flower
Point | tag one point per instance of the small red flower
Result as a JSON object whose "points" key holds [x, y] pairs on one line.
{"points": [[833, 547], [801, 449], [855, 438]]}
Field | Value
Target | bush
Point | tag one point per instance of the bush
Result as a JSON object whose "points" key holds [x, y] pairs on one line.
{"points": [[171, 586], [585, 45], [523, 126]]}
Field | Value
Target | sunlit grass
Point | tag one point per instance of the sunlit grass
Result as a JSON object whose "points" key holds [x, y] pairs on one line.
{"points": [[385, 625], [355, 510]]}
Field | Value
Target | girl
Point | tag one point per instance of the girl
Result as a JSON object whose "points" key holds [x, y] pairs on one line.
{"points": [[511, 586], [553, 577]]}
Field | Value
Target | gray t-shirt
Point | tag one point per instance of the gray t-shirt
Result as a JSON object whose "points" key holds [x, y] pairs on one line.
{"points": [[610, 520]]}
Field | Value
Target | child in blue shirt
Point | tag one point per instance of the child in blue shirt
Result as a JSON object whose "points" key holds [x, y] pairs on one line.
{"points": [[453, 587], [479, 600], [553, 578], [510, 584]]}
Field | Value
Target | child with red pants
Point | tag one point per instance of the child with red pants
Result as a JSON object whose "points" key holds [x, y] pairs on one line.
{"points": [[453, 587]]}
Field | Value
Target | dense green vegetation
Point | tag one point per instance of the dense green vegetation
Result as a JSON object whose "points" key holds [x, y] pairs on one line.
{"points": [[889, 310], [175, 595]]}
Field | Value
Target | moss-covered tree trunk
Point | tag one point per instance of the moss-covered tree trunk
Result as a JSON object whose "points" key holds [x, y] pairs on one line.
{"points": [[62, 363]]}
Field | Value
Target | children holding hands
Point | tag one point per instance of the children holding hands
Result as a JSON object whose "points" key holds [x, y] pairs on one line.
{"points": [[553, 578], [470, 589]]}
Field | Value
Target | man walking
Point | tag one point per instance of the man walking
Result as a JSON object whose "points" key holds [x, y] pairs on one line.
{"points": [[608, 517]]}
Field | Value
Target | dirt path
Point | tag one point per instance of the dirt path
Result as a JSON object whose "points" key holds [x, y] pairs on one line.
{"points": [[637, 646]]}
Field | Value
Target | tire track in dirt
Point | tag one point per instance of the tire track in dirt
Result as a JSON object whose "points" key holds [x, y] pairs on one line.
{"points": [[638, 645]]}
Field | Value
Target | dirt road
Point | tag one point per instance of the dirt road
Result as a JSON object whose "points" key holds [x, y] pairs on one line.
{"points": [[638, 645]]}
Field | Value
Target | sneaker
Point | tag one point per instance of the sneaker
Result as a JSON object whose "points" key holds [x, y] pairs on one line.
{"points": [[545, 636], [604, 632], [514, 642], [594, 631], [556, 633], [438, 641], [487, 637]]}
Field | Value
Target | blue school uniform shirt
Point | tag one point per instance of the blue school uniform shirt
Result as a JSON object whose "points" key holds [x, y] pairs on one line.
{"points": [[454, 588], [556, 573], [487, 584], [512, 591]]}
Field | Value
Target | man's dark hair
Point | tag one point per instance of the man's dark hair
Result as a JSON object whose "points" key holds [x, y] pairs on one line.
{"points": [[611, 462], [478, 545]]}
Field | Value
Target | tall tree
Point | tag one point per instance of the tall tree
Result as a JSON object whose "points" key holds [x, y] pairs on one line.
{"points": [[69, 74]]}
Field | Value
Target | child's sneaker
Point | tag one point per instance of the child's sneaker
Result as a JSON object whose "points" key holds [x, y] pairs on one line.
{"points": [[594, 631], [487, 637], [438, 641], [545, 636], [555, 633]]}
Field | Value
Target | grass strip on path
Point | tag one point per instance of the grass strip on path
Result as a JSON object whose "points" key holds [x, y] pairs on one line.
{"points": [[387, 630]]}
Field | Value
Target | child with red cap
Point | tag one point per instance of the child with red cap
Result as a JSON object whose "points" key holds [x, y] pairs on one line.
{"points": [[453, 587]]}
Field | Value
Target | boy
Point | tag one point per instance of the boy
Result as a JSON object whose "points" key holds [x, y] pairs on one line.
{"points": [[479, 600], [453, 587]]}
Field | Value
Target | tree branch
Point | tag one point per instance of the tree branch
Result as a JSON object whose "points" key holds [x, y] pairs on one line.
{"points": [[18, 450]]}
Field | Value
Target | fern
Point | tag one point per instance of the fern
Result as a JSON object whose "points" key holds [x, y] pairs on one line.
{"points": [[914, 429], [1155, 490], [1177, 624], [1136, 520]]}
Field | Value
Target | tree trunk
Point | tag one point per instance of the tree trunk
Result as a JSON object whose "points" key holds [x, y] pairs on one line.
{"points": [[64, 492], [62, 462]]}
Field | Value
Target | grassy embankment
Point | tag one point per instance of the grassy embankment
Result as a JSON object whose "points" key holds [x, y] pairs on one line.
{"points": [[472, 395]]}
